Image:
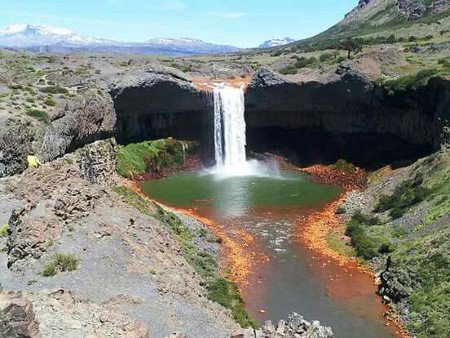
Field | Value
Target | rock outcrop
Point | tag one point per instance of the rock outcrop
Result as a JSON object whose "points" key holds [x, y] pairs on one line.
{"points": [[295, 326], [412, 9], [160, 104], [87, 117], [98, 161], [17, 318]]}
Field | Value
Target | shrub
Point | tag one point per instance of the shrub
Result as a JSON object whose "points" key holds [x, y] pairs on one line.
{"points": [[405, 196], [292, 70], [38, 115], [410, 81], [4, 230], [325, 57], [50, 102], [365, 246], [60, 262], [54, 90]]}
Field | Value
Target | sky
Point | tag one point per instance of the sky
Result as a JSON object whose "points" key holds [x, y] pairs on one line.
{"points": [[242, 23]]}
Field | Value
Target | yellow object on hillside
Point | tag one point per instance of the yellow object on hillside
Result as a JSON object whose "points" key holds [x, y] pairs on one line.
{"points": [[33, 161]]}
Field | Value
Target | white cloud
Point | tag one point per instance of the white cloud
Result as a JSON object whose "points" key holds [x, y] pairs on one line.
{"points": [[173, 5], [227, 15]]}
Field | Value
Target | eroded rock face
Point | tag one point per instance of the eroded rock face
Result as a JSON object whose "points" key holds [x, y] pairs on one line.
{"points": [[56, 195], [88, 117], [348, 117], [98, 161], [161, 104], [413, 9], [17, 318]]}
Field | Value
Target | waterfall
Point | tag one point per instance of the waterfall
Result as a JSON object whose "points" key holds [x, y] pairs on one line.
{"points": [[230, 139], [229, 127]]}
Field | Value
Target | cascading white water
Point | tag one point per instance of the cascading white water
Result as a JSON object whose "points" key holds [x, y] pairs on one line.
{"points": [[230, 139], [229, 127]]}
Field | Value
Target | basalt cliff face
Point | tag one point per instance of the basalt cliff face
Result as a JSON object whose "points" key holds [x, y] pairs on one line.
{"points": [[346, 117]]}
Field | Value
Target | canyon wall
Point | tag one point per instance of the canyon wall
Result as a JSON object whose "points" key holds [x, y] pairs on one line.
{"points": [[346, 117]]}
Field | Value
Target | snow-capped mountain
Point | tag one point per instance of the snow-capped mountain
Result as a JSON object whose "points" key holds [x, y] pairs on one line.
{"points": [[33, 36], [276, 42], [54, 39]]}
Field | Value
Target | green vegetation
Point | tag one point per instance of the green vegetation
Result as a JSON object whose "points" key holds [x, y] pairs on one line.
{"points": [[183, 68], [351, 46], [60, 262], [4, 230], [337, 245], [419, 247], [39, 115], [410, 81], [219, 289], [50, 102], [150, 156], [365, 245], [54, 90], [344, 166], [405, 196]]}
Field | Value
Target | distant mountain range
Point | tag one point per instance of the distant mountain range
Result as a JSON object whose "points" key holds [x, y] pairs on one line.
{"points": [[276, 42], [53, 39]]}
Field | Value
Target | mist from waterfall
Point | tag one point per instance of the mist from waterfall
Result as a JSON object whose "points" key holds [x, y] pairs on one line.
{"points": [[230, 136]]}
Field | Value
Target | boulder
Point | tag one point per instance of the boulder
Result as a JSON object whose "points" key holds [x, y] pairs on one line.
{"points": [[17, 318], [87, 117]]}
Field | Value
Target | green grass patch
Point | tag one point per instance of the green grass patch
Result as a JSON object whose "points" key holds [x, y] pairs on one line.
{"points": [[150, 156], [339, 246], [60, 262], [343, 165], [39, 115], [4, 230]]}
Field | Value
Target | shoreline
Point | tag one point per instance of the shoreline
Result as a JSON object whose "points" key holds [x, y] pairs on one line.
{"points": [[323, 222], [235, 262]]}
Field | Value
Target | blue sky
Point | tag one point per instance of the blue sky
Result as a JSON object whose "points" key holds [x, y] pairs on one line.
{"points": [[243, 23]]}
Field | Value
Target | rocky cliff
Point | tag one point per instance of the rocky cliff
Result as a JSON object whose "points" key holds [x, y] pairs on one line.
{"points": [[348, 116]]}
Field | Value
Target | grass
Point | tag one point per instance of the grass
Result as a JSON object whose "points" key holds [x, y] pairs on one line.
{"points": [[150, 156], [337, 245], [39, 115], [60, 262], [4, 230], [219, 289]]}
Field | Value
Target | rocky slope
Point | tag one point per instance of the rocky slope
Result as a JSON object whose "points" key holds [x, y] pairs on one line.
{"points": [[406, 224], [129, 263]]}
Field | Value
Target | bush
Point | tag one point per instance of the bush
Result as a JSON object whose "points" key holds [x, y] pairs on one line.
{"points": [[4, 230], [54, 90], [326, 56], [60, 262], [405, 196], [289, 70], [362, 243], [49, 102], [39, 115], [411, 81]]}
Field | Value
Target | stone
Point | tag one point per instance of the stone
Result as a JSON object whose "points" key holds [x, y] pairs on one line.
{"points": [[17, 318]]}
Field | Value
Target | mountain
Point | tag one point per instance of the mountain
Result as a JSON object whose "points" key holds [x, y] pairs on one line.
{"points": [[276, 42], [375, 20], [53, 39]]}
